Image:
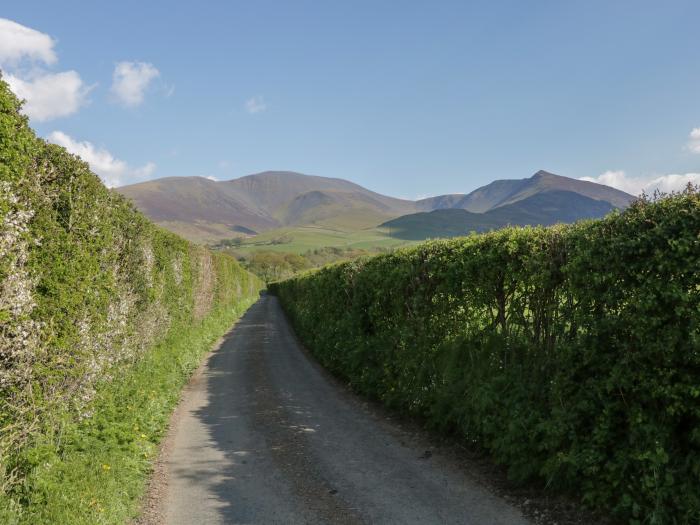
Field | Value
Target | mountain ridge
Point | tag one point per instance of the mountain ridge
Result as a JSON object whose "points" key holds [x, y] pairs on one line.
{"points": [[206, 210], [506, 191], [543, 209]]}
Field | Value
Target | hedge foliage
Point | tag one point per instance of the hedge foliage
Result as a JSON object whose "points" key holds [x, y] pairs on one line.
{"points": [[570, 353], [87, 287]]}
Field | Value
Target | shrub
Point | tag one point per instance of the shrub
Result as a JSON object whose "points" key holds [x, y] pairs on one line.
{"points": [[88, 286], [571, 353]]}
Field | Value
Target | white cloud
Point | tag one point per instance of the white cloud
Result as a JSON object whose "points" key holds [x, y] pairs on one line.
{"points": [[47, 95], [211, 177], [50, 95], [255, 104], [18, 42], [636, 185], [694, 140], [113, 171], [130, 81]]}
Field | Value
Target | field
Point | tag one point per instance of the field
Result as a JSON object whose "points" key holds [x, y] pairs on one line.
{"points": [[301, 239]]}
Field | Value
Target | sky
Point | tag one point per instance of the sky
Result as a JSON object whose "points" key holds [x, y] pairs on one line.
{"points": [[409, 98]]}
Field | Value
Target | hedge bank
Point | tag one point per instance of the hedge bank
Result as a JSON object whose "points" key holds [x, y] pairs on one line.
{"points": [[570, 353], [102, 317]]}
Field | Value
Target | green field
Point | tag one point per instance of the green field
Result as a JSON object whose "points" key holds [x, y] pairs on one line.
{"points": [[301, 239]]}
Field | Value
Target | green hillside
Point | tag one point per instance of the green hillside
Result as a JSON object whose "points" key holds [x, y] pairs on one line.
{"points": [[103, 316], [304, 238]]}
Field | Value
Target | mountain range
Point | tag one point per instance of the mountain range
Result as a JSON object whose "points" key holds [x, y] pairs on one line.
{"points": [[543, 199], [207, 211]]}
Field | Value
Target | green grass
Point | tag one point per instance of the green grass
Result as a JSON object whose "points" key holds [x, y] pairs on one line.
{"points": [[98, 473], [305, 238], [333, 226]]}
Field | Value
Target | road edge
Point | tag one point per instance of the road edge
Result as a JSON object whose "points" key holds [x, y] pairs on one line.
{"points": [[151, 509]]}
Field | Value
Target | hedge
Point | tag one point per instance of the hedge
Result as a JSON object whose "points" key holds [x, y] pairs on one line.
{"points": [[570, 353], [88, 287]]}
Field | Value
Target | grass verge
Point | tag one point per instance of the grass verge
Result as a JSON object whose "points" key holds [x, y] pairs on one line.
{"points": [[96, 470]]}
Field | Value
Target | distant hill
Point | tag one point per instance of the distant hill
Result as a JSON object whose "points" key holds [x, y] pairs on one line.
{"points": [[503, 192], [205, 210], [546, 208], [202, 209]]}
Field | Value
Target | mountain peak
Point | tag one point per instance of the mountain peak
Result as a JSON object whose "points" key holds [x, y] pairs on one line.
{"points": [[542, 174]]}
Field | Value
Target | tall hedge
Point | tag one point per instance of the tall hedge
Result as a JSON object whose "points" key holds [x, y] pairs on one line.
{"points": [[87, 286], [571, 353]]}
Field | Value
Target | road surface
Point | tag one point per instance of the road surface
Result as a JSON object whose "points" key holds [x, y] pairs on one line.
{"points": [[264, 436]]}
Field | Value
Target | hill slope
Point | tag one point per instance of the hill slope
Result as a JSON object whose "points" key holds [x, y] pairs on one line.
{"points": [[545, 208], [202, 209], [205, 210], [503, 192]]}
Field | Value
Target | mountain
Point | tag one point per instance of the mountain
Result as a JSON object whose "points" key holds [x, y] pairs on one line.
{"points": [[503, 192], [203, 209], [546, 208], [206, 210], [450, 222]]}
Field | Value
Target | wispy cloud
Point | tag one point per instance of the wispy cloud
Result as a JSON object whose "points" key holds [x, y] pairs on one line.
{"points": [[113, 171], [255, 104], [648, 184], [694, 140], [130, 81], [23, 54]]}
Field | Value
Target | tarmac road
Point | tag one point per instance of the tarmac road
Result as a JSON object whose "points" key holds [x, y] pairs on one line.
{"points": [[263, 435]]}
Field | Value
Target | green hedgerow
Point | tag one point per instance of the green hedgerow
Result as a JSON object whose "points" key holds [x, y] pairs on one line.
{"points": [[571, 353], [100, 310]]}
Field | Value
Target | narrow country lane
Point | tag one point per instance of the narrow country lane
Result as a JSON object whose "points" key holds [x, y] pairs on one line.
{"points": [[263, 436]]}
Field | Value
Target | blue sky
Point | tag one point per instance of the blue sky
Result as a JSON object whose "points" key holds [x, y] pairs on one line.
{"points": [[407, 98]]}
